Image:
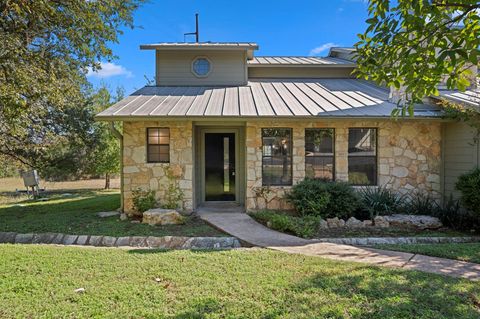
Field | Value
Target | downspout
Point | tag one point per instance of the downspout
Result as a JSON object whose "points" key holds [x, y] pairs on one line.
{"points": [[119, 135]]}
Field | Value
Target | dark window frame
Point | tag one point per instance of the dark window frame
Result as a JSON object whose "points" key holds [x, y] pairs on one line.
{"points": [[375, 183], [290, 152], [333, 149], [159, 144]]}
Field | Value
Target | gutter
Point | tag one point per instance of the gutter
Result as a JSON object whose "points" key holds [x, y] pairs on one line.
{"points": [[119, 135]]}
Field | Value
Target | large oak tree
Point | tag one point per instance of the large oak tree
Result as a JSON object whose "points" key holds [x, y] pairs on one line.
{"points": [[46, 48]]}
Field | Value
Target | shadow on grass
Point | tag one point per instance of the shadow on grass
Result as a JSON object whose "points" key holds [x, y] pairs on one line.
{"points": [[397, 293]]}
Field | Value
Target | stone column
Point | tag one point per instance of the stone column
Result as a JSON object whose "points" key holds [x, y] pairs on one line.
{"points": [[341, 153]]}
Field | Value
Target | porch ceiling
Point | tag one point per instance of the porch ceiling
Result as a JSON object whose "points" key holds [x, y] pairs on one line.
{"points": [[263, 98]]}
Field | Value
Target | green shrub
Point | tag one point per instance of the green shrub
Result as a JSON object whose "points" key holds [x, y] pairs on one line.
{"points": [[304, 226], [380, 201], [469, 186], [322, 198], [143, 200], [344, 200], [453, 216], [310, 197], [420, 204]]}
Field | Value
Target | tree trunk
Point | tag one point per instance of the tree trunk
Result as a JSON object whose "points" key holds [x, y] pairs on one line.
{"points": [[107, 181]]}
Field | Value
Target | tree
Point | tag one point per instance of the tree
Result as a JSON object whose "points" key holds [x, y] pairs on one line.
{"points": [[47, 47], [105, 157], [417, 44]]}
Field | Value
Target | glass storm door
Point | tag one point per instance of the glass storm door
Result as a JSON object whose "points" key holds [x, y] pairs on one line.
{"points": [[219, 166]]}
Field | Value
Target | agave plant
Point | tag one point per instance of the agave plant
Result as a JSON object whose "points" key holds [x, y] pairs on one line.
{"points": [[380, 201]]}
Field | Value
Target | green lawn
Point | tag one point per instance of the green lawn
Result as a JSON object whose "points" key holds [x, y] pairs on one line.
{"points": [[466, 252], [76, 214], [39, 282]]}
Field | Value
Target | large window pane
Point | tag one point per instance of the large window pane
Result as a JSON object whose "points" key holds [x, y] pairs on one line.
{"points": [[277, 156], [362, 156], [319, 153], [158, 145]]}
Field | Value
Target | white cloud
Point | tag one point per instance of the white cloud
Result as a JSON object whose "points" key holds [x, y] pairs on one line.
{"points": [[108, 69], [322, 48]]}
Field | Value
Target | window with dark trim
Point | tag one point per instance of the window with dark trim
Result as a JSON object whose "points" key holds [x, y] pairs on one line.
{"points": [[277, 156], [158, 145], [319, 153], [362, 156]]}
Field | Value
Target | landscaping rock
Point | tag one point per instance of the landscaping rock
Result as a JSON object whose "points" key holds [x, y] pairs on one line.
{"points": [[160, 216], [138, 241], [123, 241], [335, 222], [367, 223], [323, 224], [82, 240], [58, 239], [8, 237], [108, 241], [108, 214], [414, 221], [381, 222], [352, 222], [24, 238], [69, 239], [43, 238], [95, 240], [123, 216]]}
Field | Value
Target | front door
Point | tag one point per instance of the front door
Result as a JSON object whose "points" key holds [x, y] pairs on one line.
{"points": [[219, 166]]}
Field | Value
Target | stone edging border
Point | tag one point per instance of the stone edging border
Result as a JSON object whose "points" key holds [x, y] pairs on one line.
{"points": [[166, 242], [367, 241]]}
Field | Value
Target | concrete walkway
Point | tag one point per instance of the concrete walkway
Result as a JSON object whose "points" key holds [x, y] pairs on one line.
{"points": [[249, 231]]}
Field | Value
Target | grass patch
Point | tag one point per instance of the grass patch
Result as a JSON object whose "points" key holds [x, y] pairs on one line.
{"points": [[465, 252], [39, 282], [76, 214]]}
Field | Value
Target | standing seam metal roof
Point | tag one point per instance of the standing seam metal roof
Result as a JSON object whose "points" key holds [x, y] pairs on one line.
{"points": [[262, 98], [297, 60]]}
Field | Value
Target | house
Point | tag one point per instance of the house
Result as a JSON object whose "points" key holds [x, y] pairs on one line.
{"points": [[233, 127]]}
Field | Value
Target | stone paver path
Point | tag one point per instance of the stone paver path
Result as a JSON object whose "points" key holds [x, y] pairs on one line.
{"points": [[249, 231]]}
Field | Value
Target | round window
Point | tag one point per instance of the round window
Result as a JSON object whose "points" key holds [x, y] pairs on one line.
{"points": [[201, 67]]}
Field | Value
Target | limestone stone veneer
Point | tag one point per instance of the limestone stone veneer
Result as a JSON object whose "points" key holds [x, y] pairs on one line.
{"points": [[409, 158]]}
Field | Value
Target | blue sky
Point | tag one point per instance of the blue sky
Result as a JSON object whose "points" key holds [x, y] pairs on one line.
{"points": [[281, 27]]}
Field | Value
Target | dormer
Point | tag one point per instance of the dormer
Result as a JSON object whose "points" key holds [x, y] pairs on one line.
{"points": [[201, 64]]}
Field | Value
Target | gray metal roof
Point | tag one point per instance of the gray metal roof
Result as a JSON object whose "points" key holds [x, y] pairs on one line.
{"points": [[200, 45], [302, 98], [297, 61], [469, 97]]}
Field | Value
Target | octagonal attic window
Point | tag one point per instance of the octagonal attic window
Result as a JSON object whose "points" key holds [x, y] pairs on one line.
{"points": [[201, 67]]}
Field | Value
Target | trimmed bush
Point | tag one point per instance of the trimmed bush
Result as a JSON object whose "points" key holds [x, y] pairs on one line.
{"points": [[143, 200], [310, 197], [322, 198], [469, 186]]}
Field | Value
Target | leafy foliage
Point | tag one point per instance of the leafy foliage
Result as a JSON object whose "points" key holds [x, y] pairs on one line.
{"points": [[418, 44], [47, 49], [419, 204], [304, 226], [174, 194], [143, 200], [469, 185], [380, 201], [323, 198]]}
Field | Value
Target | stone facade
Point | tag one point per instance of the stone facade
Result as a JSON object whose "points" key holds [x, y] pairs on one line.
{"points": [[137, 173], [409, 158]]}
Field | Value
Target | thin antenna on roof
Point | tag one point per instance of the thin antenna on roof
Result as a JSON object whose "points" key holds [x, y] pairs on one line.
{"points": [[197, 35]]}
